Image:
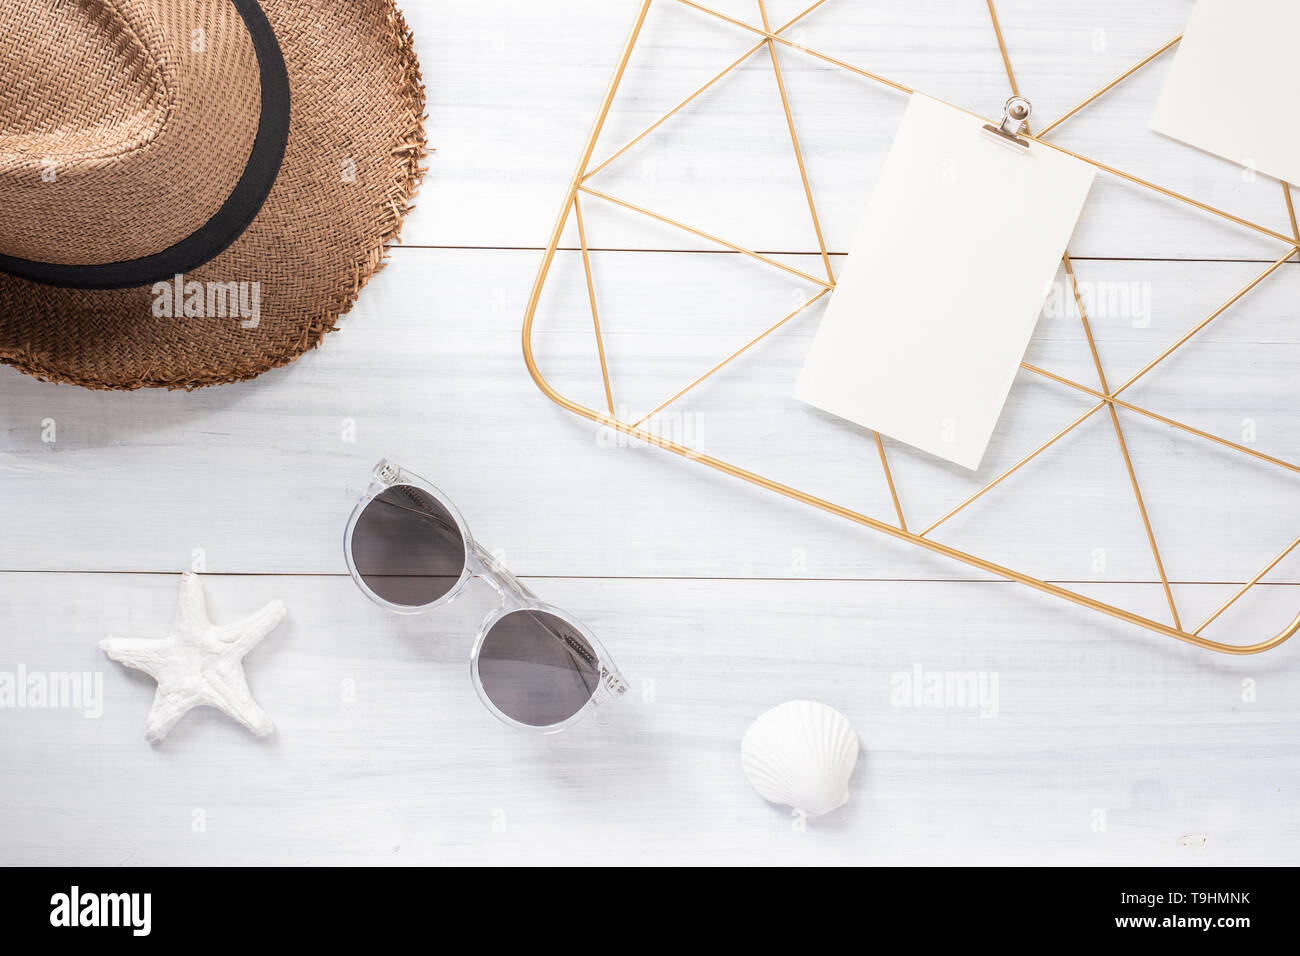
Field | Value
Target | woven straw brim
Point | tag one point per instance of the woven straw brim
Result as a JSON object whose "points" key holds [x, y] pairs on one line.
{"points": [[353, 163]]}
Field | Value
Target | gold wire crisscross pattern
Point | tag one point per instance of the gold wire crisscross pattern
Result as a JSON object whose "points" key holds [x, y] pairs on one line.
{"points": [[1107, 397]]}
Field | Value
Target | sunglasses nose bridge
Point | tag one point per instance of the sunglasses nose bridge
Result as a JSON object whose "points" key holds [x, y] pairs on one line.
{"points": [[500, 577]]}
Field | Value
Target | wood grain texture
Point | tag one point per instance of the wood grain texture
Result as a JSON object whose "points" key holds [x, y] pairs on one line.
{"points": [[718, 600]]}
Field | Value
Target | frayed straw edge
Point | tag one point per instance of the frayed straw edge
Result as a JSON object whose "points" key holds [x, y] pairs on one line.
{"points": [[407, 176]]}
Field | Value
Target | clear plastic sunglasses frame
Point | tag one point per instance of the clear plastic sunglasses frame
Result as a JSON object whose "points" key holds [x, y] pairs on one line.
{"points": [[511, 593]]}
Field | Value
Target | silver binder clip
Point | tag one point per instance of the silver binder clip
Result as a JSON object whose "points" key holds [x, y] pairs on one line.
{"points": [[1014, 114]]}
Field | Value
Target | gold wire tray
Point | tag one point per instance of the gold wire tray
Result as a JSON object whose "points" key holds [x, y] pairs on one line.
{"points": [[1106, 397]]}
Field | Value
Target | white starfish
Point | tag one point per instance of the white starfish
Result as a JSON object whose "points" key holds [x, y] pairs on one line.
{"points": [[198, 663]]}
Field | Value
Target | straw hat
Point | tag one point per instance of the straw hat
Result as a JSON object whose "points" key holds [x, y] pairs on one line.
{"points": [[192, 191]]}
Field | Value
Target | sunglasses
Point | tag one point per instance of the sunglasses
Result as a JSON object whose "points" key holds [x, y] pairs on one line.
{"points": [[533, 665]]}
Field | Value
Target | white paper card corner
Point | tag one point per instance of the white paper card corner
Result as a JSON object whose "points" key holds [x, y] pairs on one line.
{"points": [[944, 284], [1231, 90]]}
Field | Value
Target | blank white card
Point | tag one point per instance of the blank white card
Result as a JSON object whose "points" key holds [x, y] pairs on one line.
{"points": [[935, 305], [1232, 89]]}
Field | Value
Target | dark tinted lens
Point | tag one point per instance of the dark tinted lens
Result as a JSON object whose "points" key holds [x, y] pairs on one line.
{"points": [[407, 548], [537, 668]]}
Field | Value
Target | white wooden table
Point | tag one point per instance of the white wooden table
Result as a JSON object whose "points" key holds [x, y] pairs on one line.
{"points": [[1109, 744]]}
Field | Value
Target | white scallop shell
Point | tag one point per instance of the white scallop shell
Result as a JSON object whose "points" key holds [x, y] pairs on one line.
{"points": [[801, 753]]}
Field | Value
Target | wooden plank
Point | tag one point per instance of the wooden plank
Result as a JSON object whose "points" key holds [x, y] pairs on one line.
{"points": [[510, 113], [427, 370], [1106, 746]]}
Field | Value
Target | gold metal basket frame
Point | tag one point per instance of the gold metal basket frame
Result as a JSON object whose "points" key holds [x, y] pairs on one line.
{"points": [[1106, 397]]}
